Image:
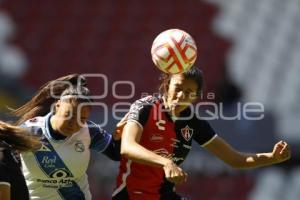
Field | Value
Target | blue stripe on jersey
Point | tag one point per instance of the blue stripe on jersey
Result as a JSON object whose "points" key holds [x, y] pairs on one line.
{"points": [[54, 167], [71, 193], [100, 139]]}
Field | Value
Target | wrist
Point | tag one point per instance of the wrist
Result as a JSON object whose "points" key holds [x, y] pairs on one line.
{"points": [[167, 162], [274, 159]]}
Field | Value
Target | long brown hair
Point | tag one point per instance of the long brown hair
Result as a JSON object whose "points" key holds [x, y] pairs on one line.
{"points": [[18, 138], [42, 101]]}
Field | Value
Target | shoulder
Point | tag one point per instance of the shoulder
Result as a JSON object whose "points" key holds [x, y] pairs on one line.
{"points": [[95, 129], [140, 109], [147, 101], [36, 121], [35, 125]]}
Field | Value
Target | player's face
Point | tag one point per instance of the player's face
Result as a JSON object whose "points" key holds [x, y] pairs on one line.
{"points": [[70, 117], [181, 93]]}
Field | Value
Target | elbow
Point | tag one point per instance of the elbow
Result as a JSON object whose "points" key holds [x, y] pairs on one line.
{"points": [[236, 164], [125, 151], [242, 165], [129, 151]]}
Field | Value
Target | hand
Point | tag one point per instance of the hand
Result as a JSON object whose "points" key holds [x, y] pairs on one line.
{"points": [[281, 152], [119, 127], [174, 174]]}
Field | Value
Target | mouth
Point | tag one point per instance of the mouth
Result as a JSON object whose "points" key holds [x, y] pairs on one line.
{"points": [[176, 104]]}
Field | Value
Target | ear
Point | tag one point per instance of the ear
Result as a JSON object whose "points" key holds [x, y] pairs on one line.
{"points": [[57, 104], [194, 100]]}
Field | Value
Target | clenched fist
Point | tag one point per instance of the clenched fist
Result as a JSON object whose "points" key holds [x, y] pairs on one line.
{"points": [[281, 152]]}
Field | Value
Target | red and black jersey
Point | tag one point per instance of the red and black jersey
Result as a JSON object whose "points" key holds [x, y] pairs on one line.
{"points": [[164, 136]]}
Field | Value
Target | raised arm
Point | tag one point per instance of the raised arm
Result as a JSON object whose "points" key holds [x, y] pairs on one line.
{"points": [[220, 148], [131, 149]]}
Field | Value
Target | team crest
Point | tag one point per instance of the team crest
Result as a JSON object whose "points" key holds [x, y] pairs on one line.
{"points": [[187, 133], [79, 146]]}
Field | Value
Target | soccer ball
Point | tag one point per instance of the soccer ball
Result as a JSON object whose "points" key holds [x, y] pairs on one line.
{"points": [[174, 51]]}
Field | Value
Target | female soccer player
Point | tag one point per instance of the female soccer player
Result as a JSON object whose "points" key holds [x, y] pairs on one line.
{"points": [[58, 169], [159, 134], [12, 182]]}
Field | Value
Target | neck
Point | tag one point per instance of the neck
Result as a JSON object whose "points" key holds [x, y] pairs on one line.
{"points": [[172, 114], [53, 123], [166, 103]]}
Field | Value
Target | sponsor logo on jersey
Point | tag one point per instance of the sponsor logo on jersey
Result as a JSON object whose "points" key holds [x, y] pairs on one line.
{"points": [[187, 133], [156, 138], [60, 173], [137, 192], [79, 146], [160, 125], [48, 162], [161, 151], [164, 153], [56, 183]]}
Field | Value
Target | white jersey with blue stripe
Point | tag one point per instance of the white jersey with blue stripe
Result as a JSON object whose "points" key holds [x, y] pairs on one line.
{"points": [[58, 169]]}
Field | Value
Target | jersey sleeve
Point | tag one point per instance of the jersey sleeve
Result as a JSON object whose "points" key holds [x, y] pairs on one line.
{"points": [[139, 111], [204, 133], [100, 139], [33, 126]]}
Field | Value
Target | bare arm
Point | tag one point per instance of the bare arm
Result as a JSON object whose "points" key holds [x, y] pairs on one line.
{"points": [[236, 159], [131, 149]]}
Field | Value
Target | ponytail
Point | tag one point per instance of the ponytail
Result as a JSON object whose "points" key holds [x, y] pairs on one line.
{"points": [[42, 101], [17, 138]]}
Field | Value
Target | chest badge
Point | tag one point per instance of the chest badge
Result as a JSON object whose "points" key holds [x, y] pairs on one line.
{"points": [[187, 133], [160, 124], [79, 146]]}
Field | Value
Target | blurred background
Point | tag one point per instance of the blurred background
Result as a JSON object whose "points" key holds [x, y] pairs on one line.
{"points": [[248, 50]]}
